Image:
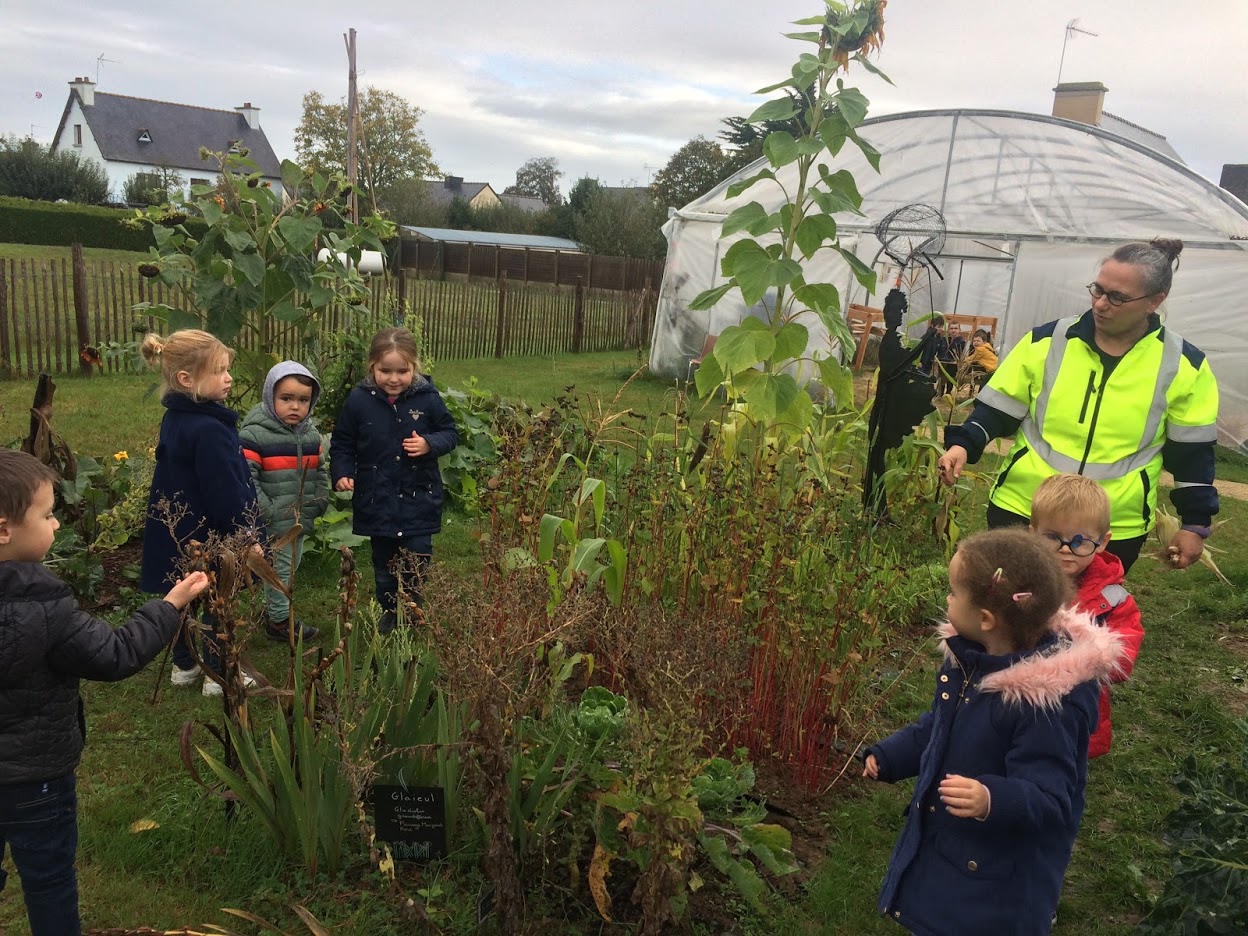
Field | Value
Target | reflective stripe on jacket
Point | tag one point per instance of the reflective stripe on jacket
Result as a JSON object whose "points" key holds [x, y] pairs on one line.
{"points": [[1109, 424]]}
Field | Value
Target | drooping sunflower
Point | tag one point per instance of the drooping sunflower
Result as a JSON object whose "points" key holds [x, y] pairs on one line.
{"points": [[865, 35]]}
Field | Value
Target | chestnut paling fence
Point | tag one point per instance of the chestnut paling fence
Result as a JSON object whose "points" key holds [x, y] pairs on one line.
{"points": [[55, 313]]}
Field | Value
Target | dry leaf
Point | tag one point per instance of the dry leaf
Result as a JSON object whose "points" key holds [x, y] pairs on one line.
{"points": [[599, 871], [144, 825]]}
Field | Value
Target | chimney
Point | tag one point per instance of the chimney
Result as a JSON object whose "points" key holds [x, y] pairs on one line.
{"points": [[250, 114], [454, 183], [86, 90], [1081, 101]]}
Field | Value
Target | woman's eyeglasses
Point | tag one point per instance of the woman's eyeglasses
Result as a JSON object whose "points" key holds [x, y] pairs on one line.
{"points": [[1115, 298], [1079, 545]]}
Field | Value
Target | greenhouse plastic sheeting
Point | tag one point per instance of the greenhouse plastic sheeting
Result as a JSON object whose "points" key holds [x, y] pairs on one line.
{"points": [[1032, 204]]}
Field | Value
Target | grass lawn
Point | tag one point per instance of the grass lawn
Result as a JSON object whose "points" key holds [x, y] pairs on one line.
{"points": [[1187, 689]]}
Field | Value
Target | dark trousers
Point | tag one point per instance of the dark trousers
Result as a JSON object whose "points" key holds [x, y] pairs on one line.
{"points": [[39, 825], [390, 552], [1127, 550], [208, 651]]}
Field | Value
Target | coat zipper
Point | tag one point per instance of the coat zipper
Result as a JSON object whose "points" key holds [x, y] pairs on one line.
{"points": [[1096, 412], [1148, 514], [1088, 395]]}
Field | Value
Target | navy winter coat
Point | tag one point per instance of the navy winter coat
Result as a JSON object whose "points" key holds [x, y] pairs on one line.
{"points": [[1018, 724], [199, 464], [48, 643], [395, 495]]}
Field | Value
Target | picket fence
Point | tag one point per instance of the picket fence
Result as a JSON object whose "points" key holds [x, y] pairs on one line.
{"points": [[56, 315]]}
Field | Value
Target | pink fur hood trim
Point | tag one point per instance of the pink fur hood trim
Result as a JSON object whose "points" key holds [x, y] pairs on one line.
{"points": [[1084, 652]]}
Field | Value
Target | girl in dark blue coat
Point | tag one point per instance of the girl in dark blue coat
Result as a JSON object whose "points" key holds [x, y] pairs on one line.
{"points": [[385, 448], [200, 471], [1001, 757]]}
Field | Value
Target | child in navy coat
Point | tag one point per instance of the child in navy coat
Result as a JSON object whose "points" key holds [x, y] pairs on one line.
{"points": [[200, 472], [385, 448], [1002, 755]]}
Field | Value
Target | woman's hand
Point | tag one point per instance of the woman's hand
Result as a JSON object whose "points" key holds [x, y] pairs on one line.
{"points": [[951, 464], [964, 797], [1185, 548], [415, 445], [345, 484], [871, 767]]}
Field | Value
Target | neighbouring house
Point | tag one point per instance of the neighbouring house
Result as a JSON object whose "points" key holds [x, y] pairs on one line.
{"points": [[476, 194], [1235, 180], [1084, 102], [127, 135], [526, 203]]}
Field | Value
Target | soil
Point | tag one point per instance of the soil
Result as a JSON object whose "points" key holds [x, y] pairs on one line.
{"points": [[116, 561]]}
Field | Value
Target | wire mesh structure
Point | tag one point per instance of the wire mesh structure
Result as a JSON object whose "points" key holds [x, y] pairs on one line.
{"points": [[911, 234]]}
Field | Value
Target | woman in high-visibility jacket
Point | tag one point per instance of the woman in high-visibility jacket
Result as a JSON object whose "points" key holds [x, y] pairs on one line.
{"points": [[1111, 394]]}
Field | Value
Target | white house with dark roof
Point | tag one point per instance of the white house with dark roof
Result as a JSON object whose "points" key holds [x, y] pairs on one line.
{"points": [[126, 135], [476, 194]]}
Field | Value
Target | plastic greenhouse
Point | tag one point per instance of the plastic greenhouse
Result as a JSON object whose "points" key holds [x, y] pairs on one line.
{"points": [[1031, 203]]}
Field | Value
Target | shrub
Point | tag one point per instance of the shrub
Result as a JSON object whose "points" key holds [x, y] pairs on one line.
{"points": [[23, 221], [153, 188], [30, 170]]}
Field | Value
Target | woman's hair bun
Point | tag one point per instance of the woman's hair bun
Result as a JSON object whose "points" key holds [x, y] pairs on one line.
{"points": [[1170, 246]]}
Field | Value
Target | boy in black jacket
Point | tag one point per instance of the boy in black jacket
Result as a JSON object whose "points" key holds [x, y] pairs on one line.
{"points": [[47, 643]]}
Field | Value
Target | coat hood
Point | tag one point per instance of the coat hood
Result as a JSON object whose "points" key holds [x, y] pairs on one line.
{"points": [[1078, 652], [280, 372]]}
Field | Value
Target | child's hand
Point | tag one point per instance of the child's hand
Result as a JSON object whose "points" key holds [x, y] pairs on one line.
{"points": [[187, 590], [415, 446], [345, 484], [964, 797], [871, 767]]}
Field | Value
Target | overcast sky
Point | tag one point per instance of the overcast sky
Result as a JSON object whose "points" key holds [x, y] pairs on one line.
{"points": [[613, 89]]}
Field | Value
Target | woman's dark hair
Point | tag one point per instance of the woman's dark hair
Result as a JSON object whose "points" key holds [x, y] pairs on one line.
{"points": [[1157, 260], [1017, 576]]}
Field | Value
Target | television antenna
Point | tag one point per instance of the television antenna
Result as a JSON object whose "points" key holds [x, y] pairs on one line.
{"points": [[100, 58], [1071, 28], [650, 171]]}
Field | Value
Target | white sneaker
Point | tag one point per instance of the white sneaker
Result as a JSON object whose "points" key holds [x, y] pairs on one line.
{"points": [[212, 688], [184, 677]]}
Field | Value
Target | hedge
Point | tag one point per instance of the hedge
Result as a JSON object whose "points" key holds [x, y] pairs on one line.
{"points": [[54, 224]]}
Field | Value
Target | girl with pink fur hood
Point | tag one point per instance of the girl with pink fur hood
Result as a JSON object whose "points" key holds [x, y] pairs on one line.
{"points": [[1002, 755]]}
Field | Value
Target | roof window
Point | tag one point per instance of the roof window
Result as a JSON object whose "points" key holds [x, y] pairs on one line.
{"points": [[145, 136]]}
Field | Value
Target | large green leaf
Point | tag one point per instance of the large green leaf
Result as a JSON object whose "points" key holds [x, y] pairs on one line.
{"points": [[240, 241], [708, 376], [866, 63], [799, 413], [791, 341], [840, 185], [838, 380], [707, 298], [869, 151], [815, 229], [751, 218], [757, 270], [549, 530], [299, 233], [864, 274], [251, 265], [779, 109], [736, 188], [740, 347], [286, 311], [780, 148], [770, 394], [852, 105], [292, 176], [821, 298]]}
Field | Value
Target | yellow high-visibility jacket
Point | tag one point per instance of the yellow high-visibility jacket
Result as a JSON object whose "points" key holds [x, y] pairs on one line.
{"points": [[1114, 420]]}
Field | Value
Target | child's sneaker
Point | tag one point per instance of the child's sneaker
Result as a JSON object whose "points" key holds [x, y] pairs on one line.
{"points": [[185, 677], [277, 631], [212, 688], [388, 622]]}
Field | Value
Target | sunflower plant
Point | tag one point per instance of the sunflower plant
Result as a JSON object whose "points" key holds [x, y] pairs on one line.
{"points": [[821, 114]]}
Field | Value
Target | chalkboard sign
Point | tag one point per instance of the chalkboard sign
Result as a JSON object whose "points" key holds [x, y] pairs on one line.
{"points": [[411, 820]]}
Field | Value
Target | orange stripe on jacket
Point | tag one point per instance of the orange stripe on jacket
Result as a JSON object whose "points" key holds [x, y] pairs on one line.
{"points": [[281, 462]]}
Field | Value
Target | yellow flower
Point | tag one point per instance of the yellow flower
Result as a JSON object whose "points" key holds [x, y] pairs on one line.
{"points": [[121, 456]]}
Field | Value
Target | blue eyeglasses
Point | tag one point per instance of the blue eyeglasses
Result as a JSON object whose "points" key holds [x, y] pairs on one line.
{"points": [[1079, 545]]}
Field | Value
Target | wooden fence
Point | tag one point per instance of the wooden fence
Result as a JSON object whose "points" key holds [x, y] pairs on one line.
{"points": [[49, 313], [560, 267]]}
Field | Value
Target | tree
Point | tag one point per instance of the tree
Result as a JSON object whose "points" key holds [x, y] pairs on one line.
{"points": [[746, 139], [693, 170], [620, 223], [538, 178], [392, 147], [30, 170], [158, 186]]}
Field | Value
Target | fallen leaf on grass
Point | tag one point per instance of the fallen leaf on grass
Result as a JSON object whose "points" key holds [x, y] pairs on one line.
{"points": [[143, 825]]}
